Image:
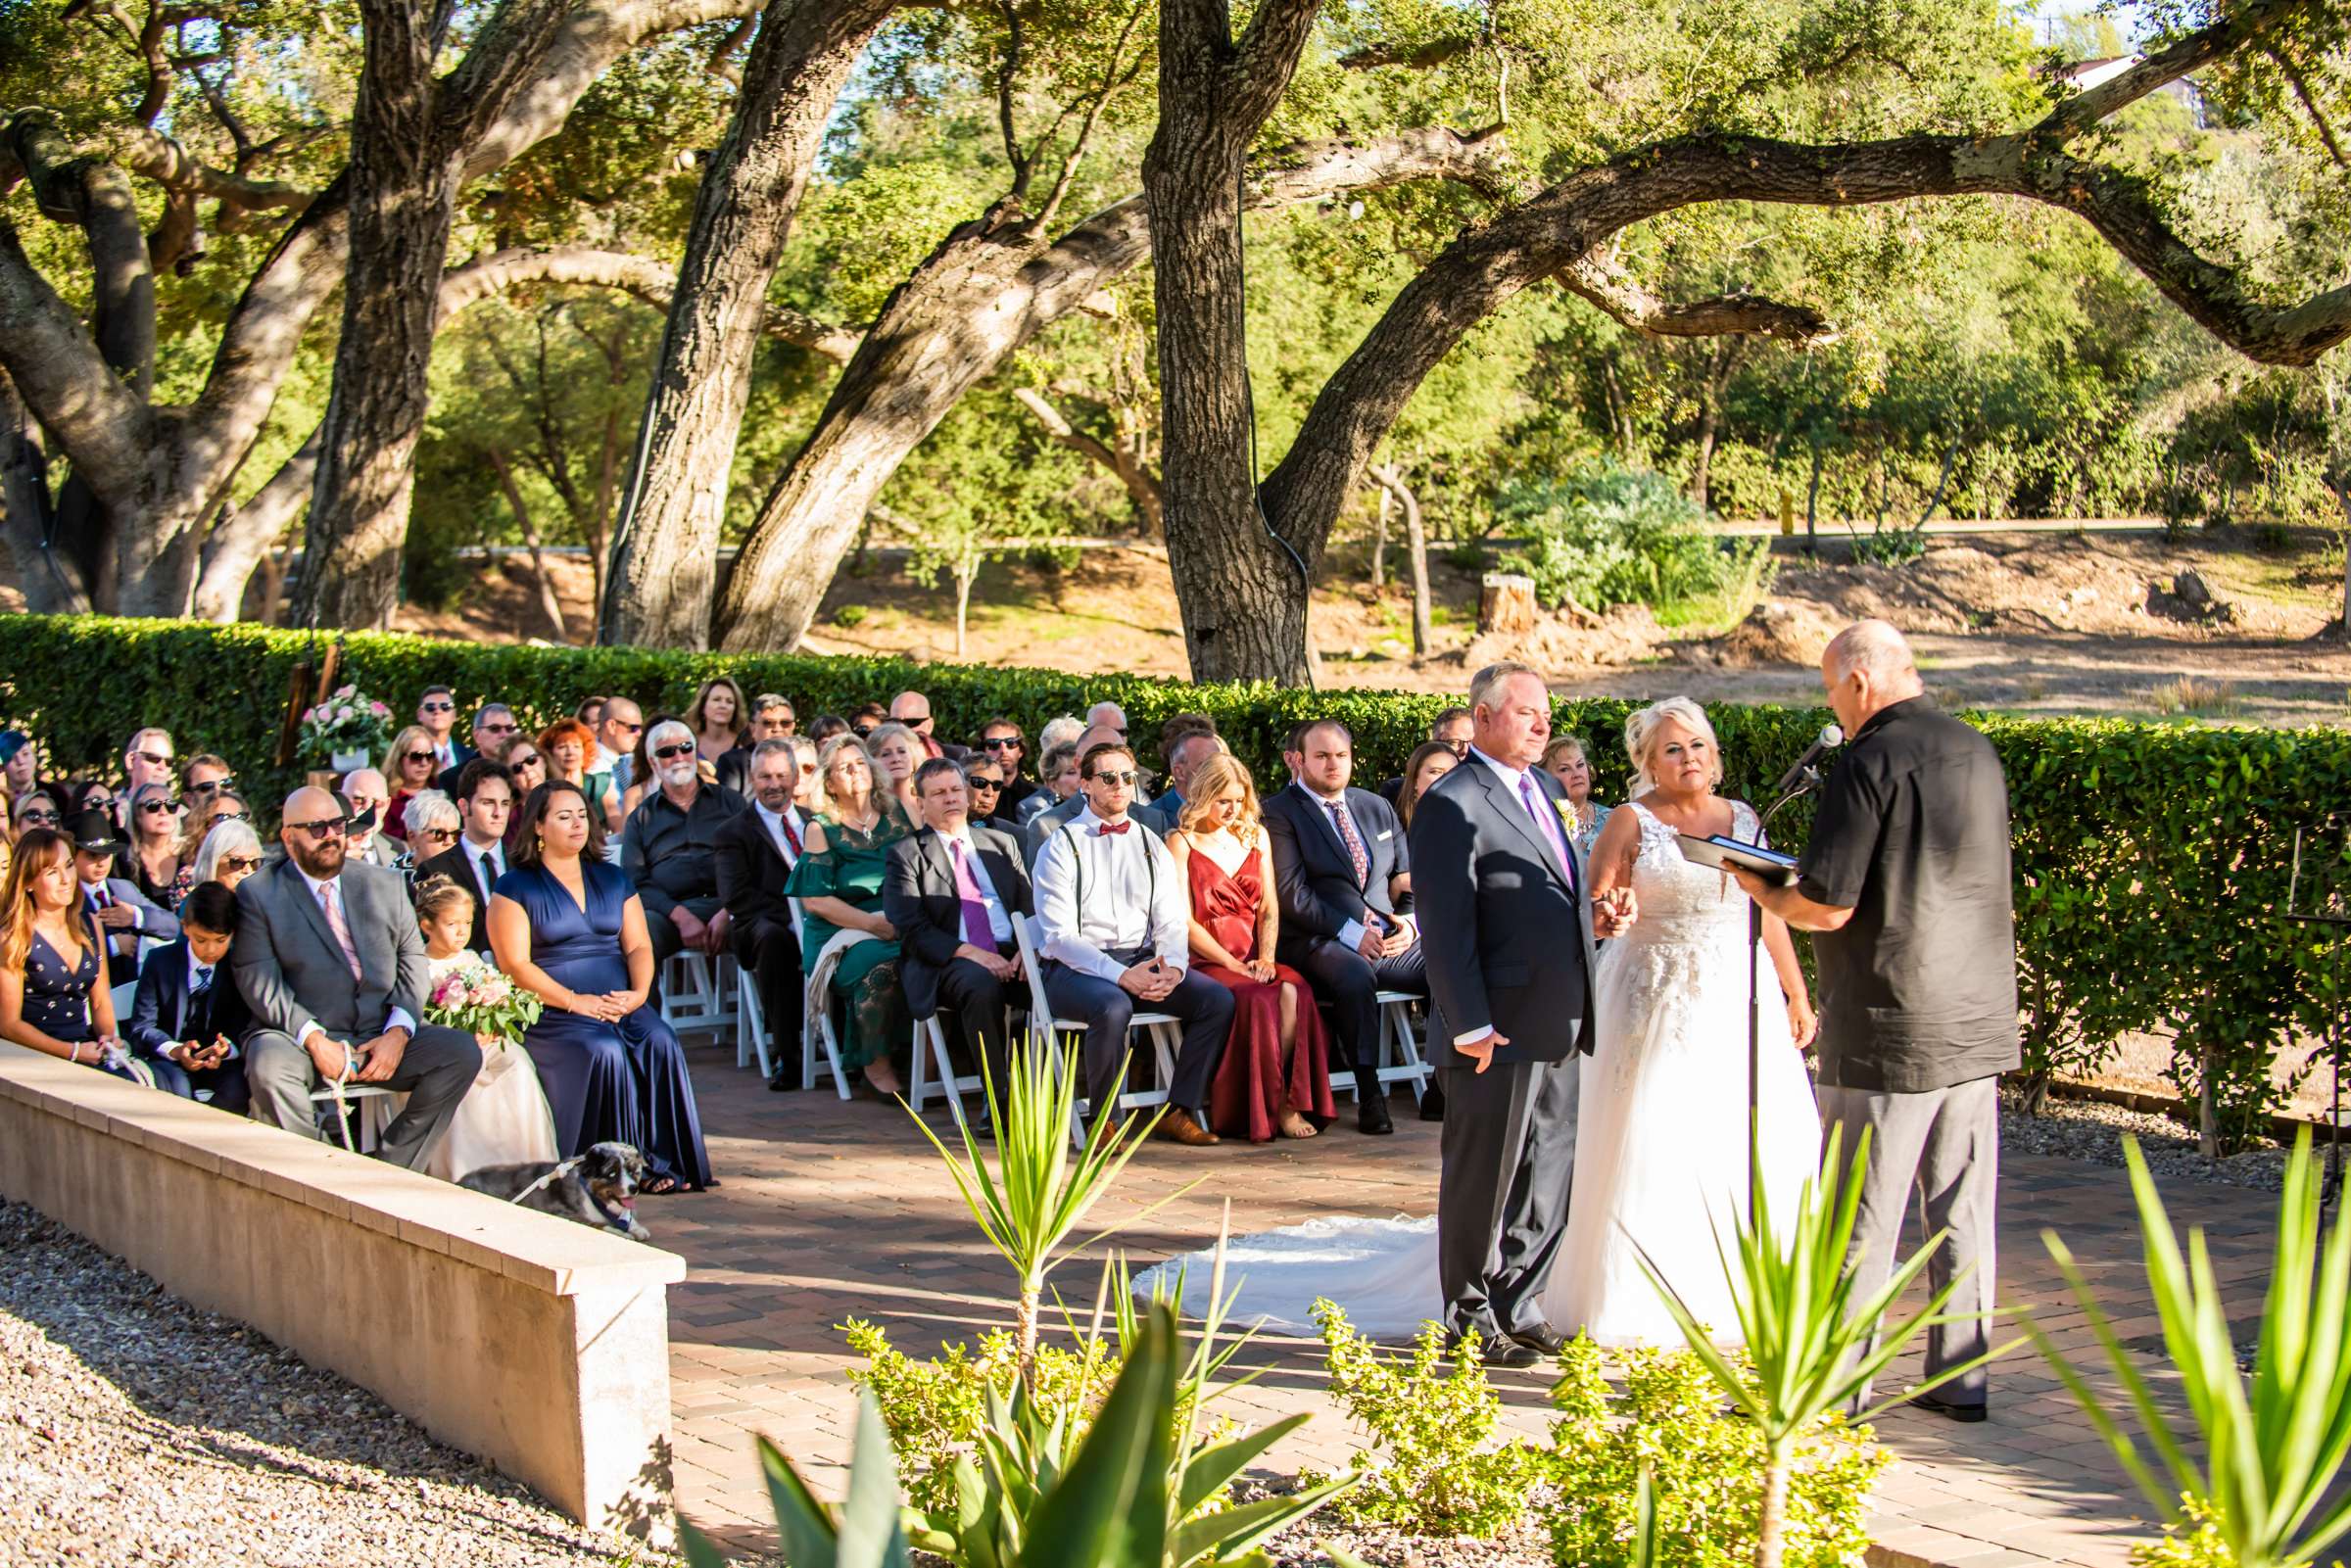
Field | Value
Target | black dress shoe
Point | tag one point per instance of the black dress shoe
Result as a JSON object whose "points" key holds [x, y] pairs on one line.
{"points": [[1432, 1104], [1952, 1410], [1371, 1115], [1511, 1351], [1543, 1339]]}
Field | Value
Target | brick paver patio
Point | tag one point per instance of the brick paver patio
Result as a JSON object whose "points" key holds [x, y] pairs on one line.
{"points": [[832, 1210]]}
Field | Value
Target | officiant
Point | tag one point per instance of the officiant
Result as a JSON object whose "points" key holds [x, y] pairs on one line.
{"points": [[1905, 887]]}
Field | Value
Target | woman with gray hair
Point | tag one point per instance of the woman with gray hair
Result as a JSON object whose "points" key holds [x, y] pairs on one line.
{"points": [[432, 824], [1661, 1146]]}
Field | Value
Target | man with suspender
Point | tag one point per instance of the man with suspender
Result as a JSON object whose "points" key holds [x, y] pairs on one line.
{"points": [[1117, 927]]}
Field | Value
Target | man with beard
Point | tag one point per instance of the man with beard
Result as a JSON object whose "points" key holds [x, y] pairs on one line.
{"points": [[670, 847], [332, 968]]}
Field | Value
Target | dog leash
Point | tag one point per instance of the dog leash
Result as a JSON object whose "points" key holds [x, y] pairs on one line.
{"points": [[562, 1168]]}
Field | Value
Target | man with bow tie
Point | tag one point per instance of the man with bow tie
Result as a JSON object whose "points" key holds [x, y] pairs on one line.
{"points": [[1117, 926]]}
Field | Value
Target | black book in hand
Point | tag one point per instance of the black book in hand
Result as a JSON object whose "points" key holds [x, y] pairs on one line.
{"points": [[1720, 851]]}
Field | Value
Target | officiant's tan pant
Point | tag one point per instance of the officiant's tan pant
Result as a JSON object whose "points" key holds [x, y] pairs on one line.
{"points": [[1944, 1146]]}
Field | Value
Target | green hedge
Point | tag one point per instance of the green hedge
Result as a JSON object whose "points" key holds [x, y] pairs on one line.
{"points": [[2149, 859]]}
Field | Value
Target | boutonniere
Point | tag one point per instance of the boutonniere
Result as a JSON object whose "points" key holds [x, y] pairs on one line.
{"points": [[1566, 810]]}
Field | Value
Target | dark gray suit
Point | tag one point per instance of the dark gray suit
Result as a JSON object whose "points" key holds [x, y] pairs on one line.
{"points": [[1508, 935], [918, 899], [294, 978], [1315, 879]]}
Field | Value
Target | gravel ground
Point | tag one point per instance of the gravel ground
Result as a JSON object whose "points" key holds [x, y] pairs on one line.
{"points": [[137, 1430], [2091, 1130]]}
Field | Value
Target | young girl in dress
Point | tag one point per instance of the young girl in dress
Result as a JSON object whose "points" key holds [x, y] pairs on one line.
{"points": [[504, 1118]]}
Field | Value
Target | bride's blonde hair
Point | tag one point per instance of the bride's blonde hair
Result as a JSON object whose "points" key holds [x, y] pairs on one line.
{"points": [[1641, 737]]}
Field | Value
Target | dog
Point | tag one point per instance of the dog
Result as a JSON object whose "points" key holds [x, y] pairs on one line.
{"points": [[596, 1189]]}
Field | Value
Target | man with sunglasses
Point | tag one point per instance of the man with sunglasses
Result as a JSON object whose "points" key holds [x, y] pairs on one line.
{"points": [[772, 719], [1045, 825], [365, 795], [983, 795], [493, 724], [913, 710], [332, 966], [1116, 921], [1450, 729], [670, 847], [147, 759], [437, 711], [1002, 743], [616, 733]]}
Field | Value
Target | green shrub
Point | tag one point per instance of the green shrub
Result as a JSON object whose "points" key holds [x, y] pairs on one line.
{"points": [[1705, 1467], [1430, 1470], [1611, 535], [1890, 547]]}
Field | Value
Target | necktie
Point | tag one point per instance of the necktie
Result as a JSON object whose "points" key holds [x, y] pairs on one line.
{"points": [[486, 867], [200, 1003], [341, 928], [976, 929], [1547, 825], [1353, 840], [204, 983], [784, 821], [1112, 828], [99, 897]]}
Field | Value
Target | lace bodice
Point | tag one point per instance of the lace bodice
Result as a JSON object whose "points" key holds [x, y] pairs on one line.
{"points": [[1682, 902]]}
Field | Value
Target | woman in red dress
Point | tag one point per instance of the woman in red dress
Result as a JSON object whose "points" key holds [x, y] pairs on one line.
{"points": [[1275, 1073]]}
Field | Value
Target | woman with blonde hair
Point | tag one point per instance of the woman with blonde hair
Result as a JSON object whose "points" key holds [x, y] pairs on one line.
{"points": [[411, 765], [896, 751], [52, 991], [1565, 760], [848, 948], [208, 810], [719, 718], [1275, 1076], [153, 857]]}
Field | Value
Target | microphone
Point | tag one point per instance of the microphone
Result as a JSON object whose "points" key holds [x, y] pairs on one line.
{"points": [[1803, 773]]}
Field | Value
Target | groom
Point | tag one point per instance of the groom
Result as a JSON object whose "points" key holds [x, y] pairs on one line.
{"points": [[1508, 932]]}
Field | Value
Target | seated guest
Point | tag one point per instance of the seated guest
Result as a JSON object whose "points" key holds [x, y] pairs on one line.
{"points": [[1276, 1069], [368, 798], [954, 887], [1564, 760], [568, 927], [187, 1016], [493, 724], [718, 719], [54, 995], [203, 773], [809, 793], [615, 738], [1117, 930], [123, 914], [643, 779], [477, 859], [589, 712], [1344, 878], [913, 710], [866, 719], [1450, 730], [756, 851], [204, 813], [1185, 753], [1000, 742], [411, 765], [771, 720], [1057, 782], [525, 765], [570, 749], [28, 812], [826, 727], [1431, 761], [1106, 715], [229, 853], [74, 796], [848, 948], [333, 970], [984, 787], [437, 716], [434, 826], [503, 1119], [896, 751], [19, 763], [147, 759], [151, 859], [669, 848], [1045, 823]]}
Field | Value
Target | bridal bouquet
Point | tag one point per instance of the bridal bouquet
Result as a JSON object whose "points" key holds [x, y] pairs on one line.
{"points": [[345, 723], [480, 1000]]}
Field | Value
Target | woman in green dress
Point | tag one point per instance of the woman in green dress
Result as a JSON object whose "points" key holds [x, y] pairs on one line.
{"points": [[837, 879]]}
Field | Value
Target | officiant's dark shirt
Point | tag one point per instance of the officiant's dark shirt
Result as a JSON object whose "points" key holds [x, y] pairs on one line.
{"points": [[1918, 990]]}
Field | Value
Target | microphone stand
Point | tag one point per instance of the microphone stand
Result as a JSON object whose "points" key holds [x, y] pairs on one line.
{"points": [[1807, 782]]}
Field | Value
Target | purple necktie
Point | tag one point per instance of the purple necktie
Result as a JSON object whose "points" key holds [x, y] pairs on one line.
{"points": [[976, 929], [1547, 824]]}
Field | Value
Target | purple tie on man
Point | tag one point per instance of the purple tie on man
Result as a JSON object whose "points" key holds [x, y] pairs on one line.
{"points": [[1547, 825], [976, 928]]}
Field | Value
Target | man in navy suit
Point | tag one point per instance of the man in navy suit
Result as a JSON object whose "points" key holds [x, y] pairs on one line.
{"points": [[123, 914], [1508, 934], [1345, 881], [478, 859], [188, 1014]]}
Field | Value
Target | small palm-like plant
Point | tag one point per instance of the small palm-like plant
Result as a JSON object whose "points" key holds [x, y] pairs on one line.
{"points": [[1038, 1194], [1808, 1330], [2267, 1489]]}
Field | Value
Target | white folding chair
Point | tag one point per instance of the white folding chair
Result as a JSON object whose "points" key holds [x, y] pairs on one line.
{"points": [[930, 1038], [1046, 1031], [370, 1112], [819, 1028], [1400, 1060], [750, 1023], [125, 994], [694, 995]]}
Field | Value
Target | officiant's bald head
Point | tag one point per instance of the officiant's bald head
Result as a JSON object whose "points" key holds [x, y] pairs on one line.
{"points": [[1868, 668]]}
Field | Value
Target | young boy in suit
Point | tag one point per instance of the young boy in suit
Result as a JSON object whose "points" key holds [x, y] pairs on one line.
{"points": [[187, 1015]]}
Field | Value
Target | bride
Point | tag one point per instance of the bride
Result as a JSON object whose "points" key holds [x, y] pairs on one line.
{"points": [[1662, 1144]]}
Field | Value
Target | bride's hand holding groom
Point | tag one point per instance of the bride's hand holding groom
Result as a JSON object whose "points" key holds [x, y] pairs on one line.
{"points": [[1614, 911]]}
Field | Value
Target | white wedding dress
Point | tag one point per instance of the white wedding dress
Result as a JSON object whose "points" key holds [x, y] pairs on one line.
{"points": [[1660, 1152]]}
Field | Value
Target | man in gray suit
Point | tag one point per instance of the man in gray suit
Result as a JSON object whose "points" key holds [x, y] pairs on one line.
{"points": [[332, 966], [1508, 932]]}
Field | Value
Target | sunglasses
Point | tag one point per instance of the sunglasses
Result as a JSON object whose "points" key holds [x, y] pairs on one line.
{"points": [[436, 832], [211, 785], [154, 761], [665, 753], [419, 756], [528, 762], [233, 816], [861, 731], [239, 863], [496, 729], [46, 817], [436, 707], [1108, 778], [156, 808], [324, 827], [625, 726], [987, 783], [1002, 743]]}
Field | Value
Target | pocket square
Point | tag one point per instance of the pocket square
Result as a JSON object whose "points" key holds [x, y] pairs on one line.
{"points": [[1389, 833]]}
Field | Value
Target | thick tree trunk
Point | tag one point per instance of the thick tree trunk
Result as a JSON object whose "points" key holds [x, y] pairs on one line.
{"points": [[665, 566], [51, 587], [1244, 588], [247, 534]]}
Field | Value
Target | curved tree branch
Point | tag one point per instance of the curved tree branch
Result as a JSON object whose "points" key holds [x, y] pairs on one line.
{"points": [[642, 276], [1739, 313]]}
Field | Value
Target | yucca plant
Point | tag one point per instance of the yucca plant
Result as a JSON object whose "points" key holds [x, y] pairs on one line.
{"points": [[1807, 1328], [1037, 1195], [2272, 1452]]}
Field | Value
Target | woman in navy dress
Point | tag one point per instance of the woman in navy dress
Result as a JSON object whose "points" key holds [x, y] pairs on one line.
{"points": [[53, 992], [566, 925]]}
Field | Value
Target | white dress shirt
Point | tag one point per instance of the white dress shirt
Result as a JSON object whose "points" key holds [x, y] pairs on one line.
{"points": [[773, 822], [1135, 897], [489, 862], [1510, 777], [221, 977], [398, 1018], [999, 918]]}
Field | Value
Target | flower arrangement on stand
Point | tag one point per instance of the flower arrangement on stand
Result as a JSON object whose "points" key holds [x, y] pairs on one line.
{"points": [[345, 729], [483, 1002]]}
